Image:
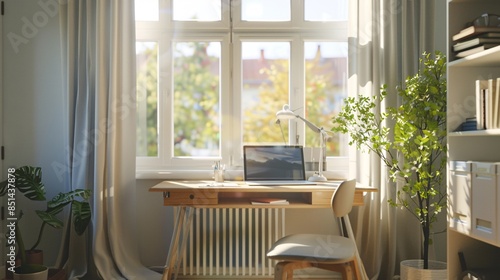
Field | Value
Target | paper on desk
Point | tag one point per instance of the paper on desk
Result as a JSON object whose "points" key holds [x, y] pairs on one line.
{"points": [[219, 185]]}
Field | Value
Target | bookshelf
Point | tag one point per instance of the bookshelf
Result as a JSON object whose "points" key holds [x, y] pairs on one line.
{"points": [[480, 145]]}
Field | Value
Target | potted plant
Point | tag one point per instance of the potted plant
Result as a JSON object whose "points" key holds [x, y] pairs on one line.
{"points": [[28, 181], [410, 140]]}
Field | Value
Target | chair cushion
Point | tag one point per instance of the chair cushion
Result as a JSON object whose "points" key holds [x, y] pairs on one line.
{"points": [[313, 248]]}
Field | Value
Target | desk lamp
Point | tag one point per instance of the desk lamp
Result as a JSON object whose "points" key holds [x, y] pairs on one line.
{"points": [[287, 114]]}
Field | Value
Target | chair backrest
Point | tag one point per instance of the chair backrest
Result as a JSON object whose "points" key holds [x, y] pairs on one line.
{"points": [[343, 198]]}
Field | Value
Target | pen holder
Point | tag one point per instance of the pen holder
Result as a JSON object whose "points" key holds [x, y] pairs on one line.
{"points": [[219, 175]]}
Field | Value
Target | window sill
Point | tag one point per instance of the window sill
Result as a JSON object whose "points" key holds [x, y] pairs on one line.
{"points": [[233, 175], [186, 174]]}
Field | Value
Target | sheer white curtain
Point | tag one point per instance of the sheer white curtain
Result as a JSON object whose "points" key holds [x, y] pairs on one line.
{"points": [[386, 40], [99, 59]]}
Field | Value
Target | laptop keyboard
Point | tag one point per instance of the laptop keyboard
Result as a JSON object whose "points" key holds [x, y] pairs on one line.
{"points": [[279, 183]]}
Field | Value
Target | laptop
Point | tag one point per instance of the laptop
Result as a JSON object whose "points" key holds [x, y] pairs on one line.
{"points": [[274, 165]]}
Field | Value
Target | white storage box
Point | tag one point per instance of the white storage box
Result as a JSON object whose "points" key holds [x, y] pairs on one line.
{"points": [[484, 197], [497, 210], [459, 196]]}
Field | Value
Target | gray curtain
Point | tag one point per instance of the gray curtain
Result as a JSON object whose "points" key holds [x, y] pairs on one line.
{"points": [[98, 42], [386, 40]]}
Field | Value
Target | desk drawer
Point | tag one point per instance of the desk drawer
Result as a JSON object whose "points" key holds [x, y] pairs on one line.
{"points": [[322, 197], [325, 198], [190, 197]]}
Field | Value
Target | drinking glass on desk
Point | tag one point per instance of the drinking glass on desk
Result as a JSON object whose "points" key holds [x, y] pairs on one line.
{"points": [[219, 175], [219, 171]]}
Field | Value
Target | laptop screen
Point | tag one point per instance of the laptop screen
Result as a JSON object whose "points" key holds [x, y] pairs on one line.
{"points": [[280, 163]]}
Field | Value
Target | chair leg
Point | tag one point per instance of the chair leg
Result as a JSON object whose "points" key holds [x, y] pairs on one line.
{"points": [[347, 272], [282, 271], [357, 271], [344, 268], [289, 274]]}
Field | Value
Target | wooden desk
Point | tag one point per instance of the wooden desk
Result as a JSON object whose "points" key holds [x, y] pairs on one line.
{"points": [[236, 194]]}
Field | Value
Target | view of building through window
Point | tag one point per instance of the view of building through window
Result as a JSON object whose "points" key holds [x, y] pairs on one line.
{"points": [[265, 87]]}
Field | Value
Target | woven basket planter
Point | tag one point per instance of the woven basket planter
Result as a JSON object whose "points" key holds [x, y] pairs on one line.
{"points": [[413, 270]]}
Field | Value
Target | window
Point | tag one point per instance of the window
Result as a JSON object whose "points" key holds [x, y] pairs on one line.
{"points": [[211, 75]]}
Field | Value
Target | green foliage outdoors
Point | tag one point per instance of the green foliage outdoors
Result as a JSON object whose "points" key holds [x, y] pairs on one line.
{"points": [[147, 96], [259, 119], [196, 101], [410, 139], [320, 91], [28, 181]]}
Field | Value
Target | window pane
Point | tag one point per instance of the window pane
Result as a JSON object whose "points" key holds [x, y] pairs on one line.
{"points": [[264, 90], [146, 10], [265, 10], [326, 87], [197, 10], [325, 10], [147, 99], [197, 121]]}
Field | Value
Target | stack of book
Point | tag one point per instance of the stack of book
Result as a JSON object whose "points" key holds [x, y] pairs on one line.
{"points": [[488, 104], [268, 200], [474, 39], [469, 125]]}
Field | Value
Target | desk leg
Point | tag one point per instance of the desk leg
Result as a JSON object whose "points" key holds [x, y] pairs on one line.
{"points": [[174, 243], [185, 234]]}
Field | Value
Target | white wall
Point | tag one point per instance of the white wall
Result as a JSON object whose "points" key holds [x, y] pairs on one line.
{"points": [[155, 223], [33, 108]]}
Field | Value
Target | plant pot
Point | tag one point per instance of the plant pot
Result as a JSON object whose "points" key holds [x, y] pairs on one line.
{"points": [[31, 272], [34, 256], [413, 270]]}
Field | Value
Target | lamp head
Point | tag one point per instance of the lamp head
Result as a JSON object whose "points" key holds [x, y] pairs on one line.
{"points": [[285, 113]]}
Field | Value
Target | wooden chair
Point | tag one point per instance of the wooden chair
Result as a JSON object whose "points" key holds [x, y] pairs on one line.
{"points": [[331, 252]]}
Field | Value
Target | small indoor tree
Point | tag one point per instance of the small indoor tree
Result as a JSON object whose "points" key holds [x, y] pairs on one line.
{"points": [[410, 140]]}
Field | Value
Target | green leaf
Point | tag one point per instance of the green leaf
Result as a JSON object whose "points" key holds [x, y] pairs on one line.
{"points": [[50, 219], [29, 182], [65, 198], [81, 215]]}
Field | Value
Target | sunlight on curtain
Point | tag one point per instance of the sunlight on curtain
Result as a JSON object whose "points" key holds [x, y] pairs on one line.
{"points": [[386, 38], [99, 57]]}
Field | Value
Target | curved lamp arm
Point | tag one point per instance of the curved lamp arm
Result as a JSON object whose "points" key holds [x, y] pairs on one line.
{"points": [[287, 114]]}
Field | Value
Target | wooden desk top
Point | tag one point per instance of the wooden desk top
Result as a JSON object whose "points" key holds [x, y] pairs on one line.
{"points": [[237, 194]]}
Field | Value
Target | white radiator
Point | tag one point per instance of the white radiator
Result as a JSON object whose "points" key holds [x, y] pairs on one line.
{"points": [[231, 242]]}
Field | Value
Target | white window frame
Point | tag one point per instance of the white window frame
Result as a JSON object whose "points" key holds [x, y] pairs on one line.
{"points": [[298, 32]]}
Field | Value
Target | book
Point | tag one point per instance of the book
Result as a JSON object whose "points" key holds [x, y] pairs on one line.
{"points": [[470, 124], [490, 103], [268, 200], [474, 43], [475, 50], [468, 127], [496, 107], [481, 88], [474, 30], [489, 35], [487, 104]]}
